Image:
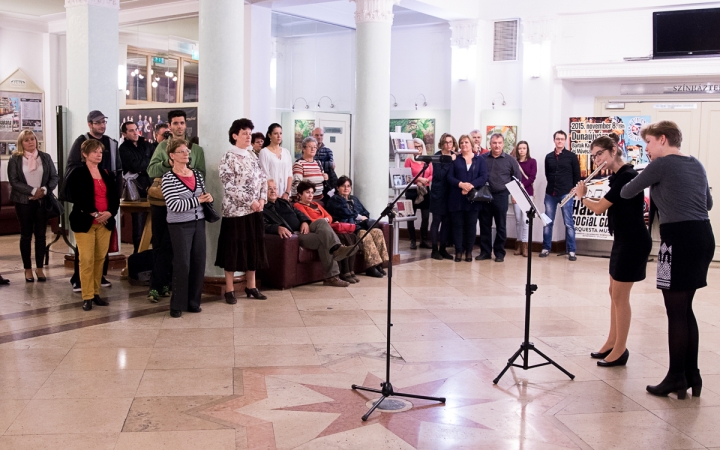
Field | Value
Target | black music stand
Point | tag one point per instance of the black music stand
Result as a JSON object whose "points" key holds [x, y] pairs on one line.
{"points": [[526, 345], [386, 388]]}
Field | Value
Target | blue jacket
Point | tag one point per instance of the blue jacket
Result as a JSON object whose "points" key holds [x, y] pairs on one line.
{"points": [[440, 188], [346, 211], [325, 156], [477, 176]]}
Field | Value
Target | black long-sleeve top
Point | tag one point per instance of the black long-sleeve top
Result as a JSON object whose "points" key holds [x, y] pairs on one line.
{"points": [[562, 172]]}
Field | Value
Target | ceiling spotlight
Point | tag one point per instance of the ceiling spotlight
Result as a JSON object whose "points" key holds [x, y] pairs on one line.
{"points": [[303, 99], [132, 74], [424, 103], [325, 96], [503, 99], [141, 77], [157, 78], [174, 78], [394, 101], [154, 84]]}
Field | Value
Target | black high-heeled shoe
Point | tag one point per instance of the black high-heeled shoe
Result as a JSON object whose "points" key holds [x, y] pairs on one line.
{"points": [[600, 355], [694, 382], [255, 294], [673, 382], [621, 361], [468, 257], [458, 257], [230, 297], [40, 279]]}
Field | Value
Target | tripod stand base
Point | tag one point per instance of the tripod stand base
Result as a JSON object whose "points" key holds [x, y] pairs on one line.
{"points": [[387, 391], [525, 348]]}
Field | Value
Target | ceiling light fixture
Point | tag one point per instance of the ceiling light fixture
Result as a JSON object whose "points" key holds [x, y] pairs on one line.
{"points": [[325, 96], [303, 99], [394, 101], [424, 103], [503, 99], [154, 84]]}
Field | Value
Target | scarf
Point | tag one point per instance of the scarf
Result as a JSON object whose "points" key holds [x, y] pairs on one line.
{"points": [[32, 160]]}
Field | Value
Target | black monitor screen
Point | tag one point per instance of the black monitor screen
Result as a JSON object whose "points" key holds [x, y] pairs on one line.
{"points": [[686, 33]]}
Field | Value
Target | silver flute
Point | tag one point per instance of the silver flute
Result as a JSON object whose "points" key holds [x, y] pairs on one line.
{"points": [[572, 192]]}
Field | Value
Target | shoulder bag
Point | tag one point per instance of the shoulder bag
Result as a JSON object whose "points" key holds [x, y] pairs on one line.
{"points": [[53, 206], [481, 194], [211, 215]]}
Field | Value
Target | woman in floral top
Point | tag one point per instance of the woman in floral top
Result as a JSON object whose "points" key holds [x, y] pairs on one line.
{"points": [[241, 245]]}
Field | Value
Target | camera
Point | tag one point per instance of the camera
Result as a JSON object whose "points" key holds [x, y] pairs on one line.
{"points": [[167, 134]]}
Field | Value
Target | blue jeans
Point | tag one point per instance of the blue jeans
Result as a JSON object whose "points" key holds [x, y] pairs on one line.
{"points": [[551, 203]]}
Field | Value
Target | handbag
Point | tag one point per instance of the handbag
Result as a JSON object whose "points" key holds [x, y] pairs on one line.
{"points": [[130, 192], [154, 193], [114, 241], [342, 227], [211, 216], [53, 206], [481, 194]]}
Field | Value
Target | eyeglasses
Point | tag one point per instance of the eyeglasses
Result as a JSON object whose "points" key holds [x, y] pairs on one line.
{"points": [[344, 186], [594, 157], [99, 122], [183, 152]]}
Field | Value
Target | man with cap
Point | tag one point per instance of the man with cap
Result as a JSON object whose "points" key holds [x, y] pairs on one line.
{"points": [[97, 124]]}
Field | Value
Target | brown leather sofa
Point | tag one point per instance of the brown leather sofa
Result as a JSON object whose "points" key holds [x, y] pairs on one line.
{"points": [[9, 223], [292, 265]]}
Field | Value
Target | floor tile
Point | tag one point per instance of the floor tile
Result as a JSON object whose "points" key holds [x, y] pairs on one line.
{"points": [[105, 359], [186, 382], [91, 384], [191, 357], [71, 416], [178, 440]]}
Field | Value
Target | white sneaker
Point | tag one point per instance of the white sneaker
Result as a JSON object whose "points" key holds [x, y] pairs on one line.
{"points": [[572, 257], [544, 253]]}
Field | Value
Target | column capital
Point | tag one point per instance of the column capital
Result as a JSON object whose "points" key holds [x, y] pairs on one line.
{"points": [[464, 33], [540, 29], [374, 10], [113, 4]]}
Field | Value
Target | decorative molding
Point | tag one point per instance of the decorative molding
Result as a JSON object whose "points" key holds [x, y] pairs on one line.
{"points": [[374, 11], [539, 30], [640, 69], [464, 33], [113, 4]]}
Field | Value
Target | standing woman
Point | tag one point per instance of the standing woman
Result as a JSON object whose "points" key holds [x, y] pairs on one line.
{"points": [[184, 192], [241, 244], [276, 161], [680, 194], [469, 172], [423, 185], [440, 227], [32, 175], [631, 244], [95, 203], [528, 167], [308, 169]]}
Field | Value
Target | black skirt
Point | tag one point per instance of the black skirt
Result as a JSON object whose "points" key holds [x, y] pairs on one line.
{"points": [[628, 259], [241, 245], [686, 250]]}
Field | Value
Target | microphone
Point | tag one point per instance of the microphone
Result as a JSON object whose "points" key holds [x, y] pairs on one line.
{"points": [[442, 159]]}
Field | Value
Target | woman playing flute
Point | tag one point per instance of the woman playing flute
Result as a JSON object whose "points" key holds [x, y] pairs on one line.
{"points": [[631, 245]]}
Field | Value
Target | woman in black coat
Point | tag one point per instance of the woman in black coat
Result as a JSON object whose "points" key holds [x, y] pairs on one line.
{"points": [[469, 171], [92, 219], [32, 176], [440, 227]]}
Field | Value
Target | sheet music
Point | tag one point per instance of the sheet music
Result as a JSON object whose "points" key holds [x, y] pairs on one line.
{"points": [[517, 192]]}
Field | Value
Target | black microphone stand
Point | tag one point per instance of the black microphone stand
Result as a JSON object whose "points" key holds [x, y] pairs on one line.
{"points": [[386, 387], [530, 289]]}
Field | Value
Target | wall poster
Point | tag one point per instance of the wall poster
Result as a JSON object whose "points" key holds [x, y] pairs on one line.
{"points": [[21, 108], [303, 129], [419, 128], [147, 118], [509, 132]]}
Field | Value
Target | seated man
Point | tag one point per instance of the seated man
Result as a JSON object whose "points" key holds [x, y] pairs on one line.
{"points": [[284, 220]]}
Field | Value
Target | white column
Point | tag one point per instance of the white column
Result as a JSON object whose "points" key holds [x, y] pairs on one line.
{"points": [[221, 95], [372, 114], [465, 93], [50, 85], [92, 63], [259, 51]]}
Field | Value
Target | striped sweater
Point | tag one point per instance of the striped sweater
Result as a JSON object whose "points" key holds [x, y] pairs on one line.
{"points": [[182, 203], [310, 171]]}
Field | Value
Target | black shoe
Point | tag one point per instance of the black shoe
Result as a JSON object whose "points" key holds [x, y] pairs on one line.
{"points": [[458, 257], [499, 258], [436, 255], [4, 280], [482, 257], [194, 310], [424, 244], [381, 270], [600, 355], [230, 298], [100, 302], [444, 253], [671, 383], [41, 279], [413, 244], [255, 294], [87, 305], [621, 361], [373, 272], [30, 280], [76, 286], [175, 313], [105, 283], [694, 381], [468, 256]]}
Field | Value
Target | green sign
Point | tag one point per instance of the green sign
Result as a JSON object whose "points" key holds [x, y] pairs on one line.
{"points": [[158, 60]]}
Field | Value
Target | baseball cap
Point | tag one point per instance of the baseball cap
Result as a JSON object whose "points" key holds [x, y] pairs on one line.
{"points": [[95, 116]]}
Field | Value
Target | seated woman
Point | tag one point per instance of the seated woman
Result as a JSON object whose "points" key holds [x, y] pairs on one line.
{"points": [[347, 208], [307, 169], [317, 213]]}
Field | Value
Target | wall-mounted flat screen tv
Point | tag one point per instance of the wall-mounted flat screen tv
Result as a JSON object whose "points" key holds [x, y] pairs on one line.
{"points": [[694, 32]]}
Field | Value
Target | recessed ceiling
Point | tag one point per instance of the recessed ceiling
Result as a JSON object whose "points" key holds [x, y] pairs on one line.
{"points": [[47, 7], [186, 28]]}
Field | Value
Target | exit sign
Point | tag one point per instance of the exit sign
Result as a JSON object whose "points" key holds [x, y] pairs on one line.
{"points": [[158, 60]]}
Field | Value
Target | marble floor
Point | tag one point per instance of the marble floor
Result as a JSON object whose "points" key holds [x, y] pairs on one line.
{"points": [[276, 374]]}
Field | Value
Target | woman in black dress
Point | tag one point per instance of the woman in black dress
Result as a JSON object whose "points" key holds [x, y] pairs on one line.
{"points": [[631, 245]]}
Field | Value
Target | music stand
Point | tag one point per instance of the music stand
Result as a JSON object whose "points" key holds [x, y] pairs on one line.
{"points": [[525, 347], [386, 388]]}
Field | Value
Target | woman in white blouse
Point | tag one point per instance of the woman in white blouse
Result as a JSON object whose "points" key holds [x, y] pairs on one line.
{"points": [[32, 176], [276, 161]]}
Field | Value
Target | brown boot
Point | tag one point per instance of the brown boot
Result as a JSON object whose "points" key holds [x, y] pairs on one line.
{"points": [[525, 249], [518, 251], [335, 281]]}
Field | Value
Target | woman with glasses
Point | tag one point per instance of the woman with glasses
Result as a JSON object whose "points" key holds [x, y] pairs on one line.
{"points": [[308, 169], [440, 227], [420, 196], [631, 244]]}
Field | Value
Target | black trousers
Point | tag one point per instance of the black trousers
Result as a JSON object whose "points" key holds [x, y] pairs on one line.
{"points": [[138, 224], [440, 230], [497, 210], [188, 244], [33, 221], [424, 222], [463, 225], [162, 249]]}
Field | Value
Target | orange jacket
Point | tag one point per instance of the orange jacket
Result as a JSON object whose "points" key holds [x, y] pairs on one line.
{"points": [[314, 214]]}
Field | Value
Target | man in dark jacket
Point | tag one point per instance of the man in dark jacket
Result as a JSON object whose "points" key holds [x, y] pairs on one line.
{"points": [[562, 170], [135, 153], [284, 220], [111, 162], [327, 160]]}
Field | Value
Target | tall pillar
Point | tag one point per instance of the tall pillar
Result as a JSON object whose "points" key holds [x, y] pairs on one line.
{"points": [[465, 92], [92, 63], [221, 36], [259, 49], [372, 115]]}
